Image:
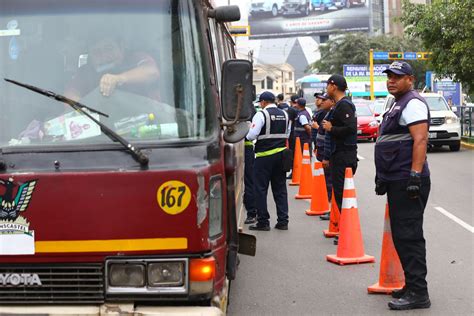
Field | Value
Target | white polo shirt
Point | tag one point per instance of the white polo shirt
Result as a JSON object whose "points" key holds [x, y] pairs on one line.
{"points": [[415, 111]]}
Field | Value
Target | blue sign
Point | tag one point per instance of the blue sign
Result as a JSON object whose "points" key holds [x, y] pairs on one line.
{"points": [[450, 90], [380, 55], [409, 55]]}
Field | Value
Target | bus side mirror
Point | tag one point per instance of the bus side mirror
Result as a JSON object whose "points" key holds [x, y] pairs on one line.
{"points": [[229, 13], [237, 91]]}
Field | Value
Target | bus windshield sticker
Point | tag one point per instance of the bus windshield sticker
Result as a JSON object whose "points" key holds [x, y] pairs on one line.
{"points": [[173, 197]]}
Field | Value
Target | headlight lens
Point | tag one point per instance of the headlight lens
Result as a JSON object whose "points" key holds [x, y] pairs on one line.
{"points": [[127, 275], [373, 123], [451, 119], [167, 274]]}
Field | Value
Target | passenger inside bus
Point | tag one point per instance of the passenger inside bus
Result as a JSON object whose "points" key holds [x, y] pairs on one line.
{"points": [[110, 65]]}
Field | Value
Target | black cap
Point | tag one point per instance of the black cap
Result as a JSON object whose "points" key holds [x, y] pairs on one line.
{"points": [[294, 98], [399, 68], [280, 97], [301, 102], [339, 81], [316, 94], [323, 96], [266, 96]]}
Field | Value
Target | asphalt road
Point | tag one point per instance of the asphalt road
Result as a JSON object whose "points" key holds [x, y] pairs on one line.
{"points": [[290, 275]]}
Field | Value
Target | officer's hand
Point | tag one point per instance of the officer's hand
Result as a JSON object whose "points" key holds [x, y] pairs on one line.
{"points": [[315, 125], [414, 185], [380, 186], [325, 164], [327, 125]]}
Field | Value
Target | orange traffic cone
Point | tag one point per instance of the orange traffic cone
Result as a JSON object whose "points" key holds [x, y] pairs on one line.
{"points": [[391, 275], [319, 197], [333, 229], [304, 191], [296, 171], [350, 248]]}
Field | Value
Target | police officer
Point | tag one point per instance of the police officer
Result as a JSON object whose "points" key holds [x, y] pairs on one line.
{"points": [[249, 182], [342, 127], [402, 172], [292, 114], [317, 118], [325, 105], [270, 129], [302, 123]]}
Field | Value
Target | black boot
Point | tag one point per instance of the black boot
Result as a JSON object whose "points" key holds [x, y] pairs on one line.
{"points": [[410, 300], [259, 227], [325, 217], [336, 240], [399, 293]]}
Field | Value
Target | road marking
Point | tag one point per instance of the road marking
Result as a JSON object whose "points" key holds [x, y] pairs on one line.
{"points": [[455, 219], [360, 157]]}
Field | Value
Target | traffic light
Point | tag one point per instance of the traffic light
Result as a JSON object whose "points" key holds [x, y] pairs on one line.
{"points": [[395, 55], [423, 55]]}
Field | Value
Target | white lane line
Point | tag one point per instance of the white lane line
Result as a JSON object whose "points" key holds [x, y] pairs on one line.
{"points": [[455, 219], [360, 157]]}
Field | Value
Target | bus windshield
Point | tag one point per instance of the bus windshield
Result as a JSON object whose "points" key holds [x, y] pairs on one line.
{"points": [[140, 62]]}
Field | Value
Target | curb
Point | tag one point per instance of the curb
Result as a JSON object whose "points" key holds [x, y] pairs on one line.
{"points": [[467, 145]]}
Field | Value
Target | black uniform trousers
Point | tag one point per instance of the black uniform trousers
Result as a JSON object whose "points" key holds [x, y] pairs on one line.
{"points": [[269, 169], [406, 222], [249, 185], [339, 161]]}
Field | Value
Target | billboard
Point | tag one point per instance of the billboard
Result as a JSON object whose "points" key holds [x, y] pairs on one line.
{"points": [[358, 80], [450, 90], [283, 18]]}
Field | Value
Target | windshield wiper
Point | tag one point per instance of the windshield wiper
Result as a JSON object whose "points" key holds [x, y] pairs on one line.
{"points": [[79, 107]]}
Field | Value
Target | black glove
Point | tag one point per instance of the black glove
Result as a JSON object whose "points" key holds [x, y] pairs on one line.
{"points": [[380, 186], [414, 185]]}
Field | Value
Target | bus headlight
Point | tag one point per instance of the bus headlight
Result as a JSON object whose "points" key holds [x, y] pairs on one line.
{"points": [[166, 274], [127, 275]]}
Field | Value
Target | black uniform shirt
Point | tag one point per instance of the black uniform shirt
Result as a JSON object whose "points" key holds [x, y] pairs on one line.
{"points": [[344, 122]]}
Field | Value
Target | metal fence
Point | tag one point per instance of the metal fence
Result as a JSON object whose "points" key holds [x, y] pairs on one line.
{"points": [[467, 116]]}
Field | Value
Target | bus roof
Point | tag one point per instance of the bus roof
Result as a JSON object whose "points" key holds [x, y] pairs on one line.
{"points": [[313, 78]]}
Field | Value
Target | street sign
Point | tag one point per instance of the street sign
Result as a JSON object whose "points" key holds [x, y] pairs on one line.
{"points": [[381, 55], [409, 55]]}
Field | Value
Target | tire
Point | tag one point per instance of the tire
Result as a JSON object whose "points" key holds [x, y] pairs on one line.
{"points": [[374, 139], [455, 147], [274, 10]]}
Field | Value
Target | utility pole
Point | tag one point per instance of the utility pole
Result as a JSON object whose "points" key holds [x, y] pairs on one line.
{"points": [[371, 66]]}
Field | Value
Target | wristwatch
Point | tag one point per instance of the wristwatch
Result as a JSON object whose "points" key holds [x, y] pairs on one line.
{"points": [[413, 173]]}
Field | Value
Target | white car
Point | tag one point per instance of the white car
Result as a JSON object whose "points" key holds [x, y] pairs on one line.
{"points": [[272, 7], [445, 127]]}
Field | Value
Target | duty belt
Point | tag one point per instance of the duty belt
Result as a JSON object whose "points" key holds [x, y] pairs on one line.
{"points": [[269, 152]]}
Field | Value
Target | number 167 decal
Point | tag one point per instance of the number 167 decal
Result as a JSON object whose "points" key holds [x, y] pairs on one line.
{"points": [[173, 197]]}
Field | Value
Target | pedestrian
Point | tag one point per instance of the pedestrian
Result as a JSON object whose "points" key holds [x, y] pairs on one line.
{"points": [[342, 126], [270, 129], [302, 124], [281, 104], [315, 119], [249, 181], [326, 104], [402, 172]]}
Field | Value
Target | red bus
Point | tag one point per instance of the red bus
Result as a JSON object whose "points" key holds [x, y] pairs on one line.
{"points": [[121, 156]]}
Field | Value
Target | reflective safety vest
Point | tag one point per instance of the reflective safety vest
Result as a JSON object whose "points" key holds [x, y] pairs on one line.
{"points": [[300, 131], [274, 132], [394, 146]]}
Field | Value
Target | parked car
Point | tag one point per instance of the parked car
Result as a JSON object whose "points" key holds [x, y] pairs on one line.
{"points": [[268, 7], [323, 5], [367, 125], [445, 127], [296, 7], [349, 3]]}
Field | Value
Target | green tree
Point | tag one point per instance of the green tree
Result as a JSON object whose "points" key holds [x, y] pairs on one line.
{"points": [[446, 29], [354, 49]]}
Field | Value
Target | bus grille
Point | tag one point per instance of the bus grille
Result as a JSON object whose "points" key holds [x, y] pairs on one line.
{"points": [[61, 284]]}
